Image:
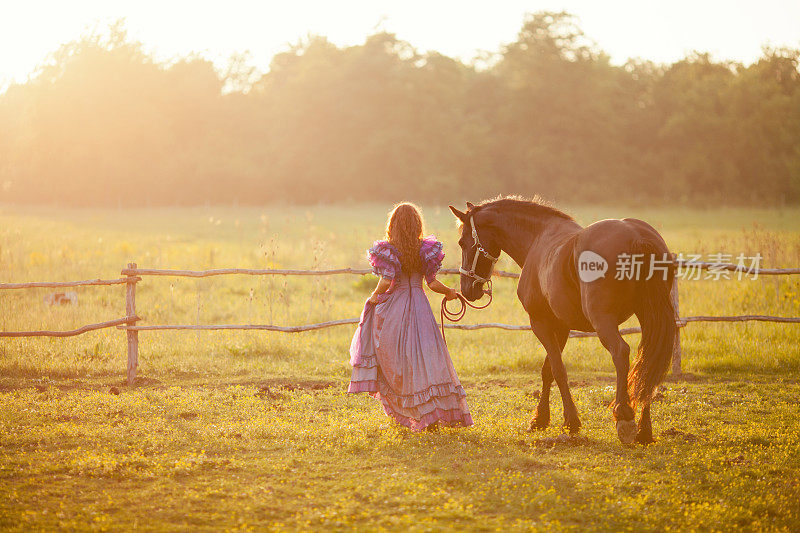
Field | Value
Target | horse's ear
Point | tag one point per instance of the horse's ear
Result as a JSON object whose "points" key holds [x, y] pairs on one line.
{"points": [[461, 216], [470, 205]]}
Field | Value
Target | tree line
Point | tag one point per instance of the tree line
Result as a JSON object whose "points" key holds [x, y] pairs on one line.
{"points": [[104, 123]]}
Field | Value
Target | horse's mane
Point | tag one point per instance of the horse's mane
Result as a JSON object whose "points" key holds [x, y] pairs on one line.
{"points": [[517, 205]]}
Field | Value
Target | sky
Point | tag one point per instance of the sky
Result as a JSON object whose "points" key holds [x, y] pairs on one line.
{"points": [[662, 31]]}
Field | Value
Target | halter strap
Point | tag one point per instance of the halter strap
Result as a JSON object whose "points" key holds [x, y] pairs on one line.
{"points": [[478, 252], [458, 315]]}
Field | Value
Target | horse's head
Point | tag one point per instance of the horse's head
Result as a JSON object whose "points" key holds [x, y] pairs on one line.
{"points": [[479, 251]]}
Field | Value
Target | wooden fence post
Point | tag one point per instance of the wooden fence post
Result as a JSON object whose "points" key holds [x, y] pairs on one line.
{"points": [[133, 335], [676, 348]]}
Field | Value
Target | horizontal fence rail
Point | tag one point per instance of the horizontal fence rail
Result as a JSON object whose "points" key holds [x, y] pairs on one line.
{"points": [[58, 284], [275, 272], [263, 327], [681, 322], [132, 275], [73, 332], [121, 324], [363, 271], [742, 318]]}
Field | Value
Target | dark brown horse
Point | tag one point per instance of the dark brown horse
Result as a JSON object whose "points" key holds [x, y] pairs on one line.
{"points": [[563, 286]]}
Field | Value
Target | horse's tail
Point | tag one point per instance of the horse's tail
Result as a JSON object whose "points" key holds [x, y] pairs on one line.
{"points": [[656, 315]]}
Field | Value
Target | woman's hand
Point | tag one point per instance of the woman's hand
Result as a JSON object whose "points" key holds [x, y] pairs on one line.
{"points": [[383, 287], [437, 286]]}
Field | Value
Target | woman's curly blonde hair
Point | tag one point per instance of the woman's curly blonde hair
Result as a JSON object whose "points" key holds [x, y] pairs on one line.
{"points": [[404, 229]]}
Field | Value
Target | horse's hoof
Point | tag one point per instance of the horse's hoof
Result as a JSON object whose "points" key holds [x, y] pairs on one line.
{"points": [[645, 438], [538, 424], [626, 431]]}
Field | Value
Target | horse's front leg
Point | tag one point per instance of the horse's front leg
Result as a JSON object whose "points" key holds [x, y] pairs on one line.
{"points": [[553, 338], [542, 418]]}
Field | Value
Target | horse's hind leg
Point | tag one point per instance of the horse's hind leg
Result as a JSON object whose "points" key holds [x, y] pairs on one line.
{"points": [[645, 433], [624, 414]]}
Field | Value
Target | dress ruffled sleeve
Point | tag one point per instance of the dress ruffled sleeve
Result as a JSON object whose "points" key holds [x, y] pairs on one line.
{"points": [[430, 251], [385, 259]]}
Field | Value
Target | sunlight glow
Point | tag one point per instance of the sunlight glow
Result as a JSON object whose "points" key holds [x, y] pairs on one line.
{"points": [[660, 31]]}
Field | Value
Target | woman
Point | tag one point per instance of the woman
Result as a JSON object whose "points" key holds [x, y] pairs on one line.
{"points": [[398, 354]]}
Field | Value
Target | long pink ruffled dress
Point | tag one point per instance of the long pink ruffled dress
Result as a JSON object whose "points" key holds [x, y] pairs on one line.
{"points": [[398, 354]]}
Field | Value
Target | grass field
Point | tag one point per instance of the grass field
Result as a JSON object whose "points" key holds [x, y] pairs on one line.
{"points": [[252, 430]]}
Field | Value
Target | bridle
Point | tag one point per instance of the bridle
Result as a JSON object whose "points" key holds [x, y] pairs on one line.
{"points": [[480, 251], [476, 280]]}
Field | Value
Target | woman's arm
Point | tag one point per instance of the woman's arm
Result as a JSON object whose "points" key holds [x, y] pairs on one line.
{"points": [[383, 286], [441, 288]]}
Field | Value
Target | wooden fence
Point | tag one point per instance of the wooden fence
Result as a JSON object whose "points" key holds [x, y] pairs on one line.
{"points": [[133, 275]]}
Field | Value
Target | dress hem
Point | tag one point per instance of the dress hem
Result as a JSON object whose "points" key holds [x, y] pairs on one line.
{"points": [[447, 417], [415, 399]]}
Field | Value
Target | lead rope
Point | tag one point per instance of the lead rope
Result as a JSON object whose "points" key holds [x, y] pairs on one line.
{"points": [[458, 315]]}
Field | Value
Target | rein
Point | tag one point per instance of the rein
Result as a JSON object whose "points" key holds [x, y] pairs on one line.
{"points": [[458, 315]]}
